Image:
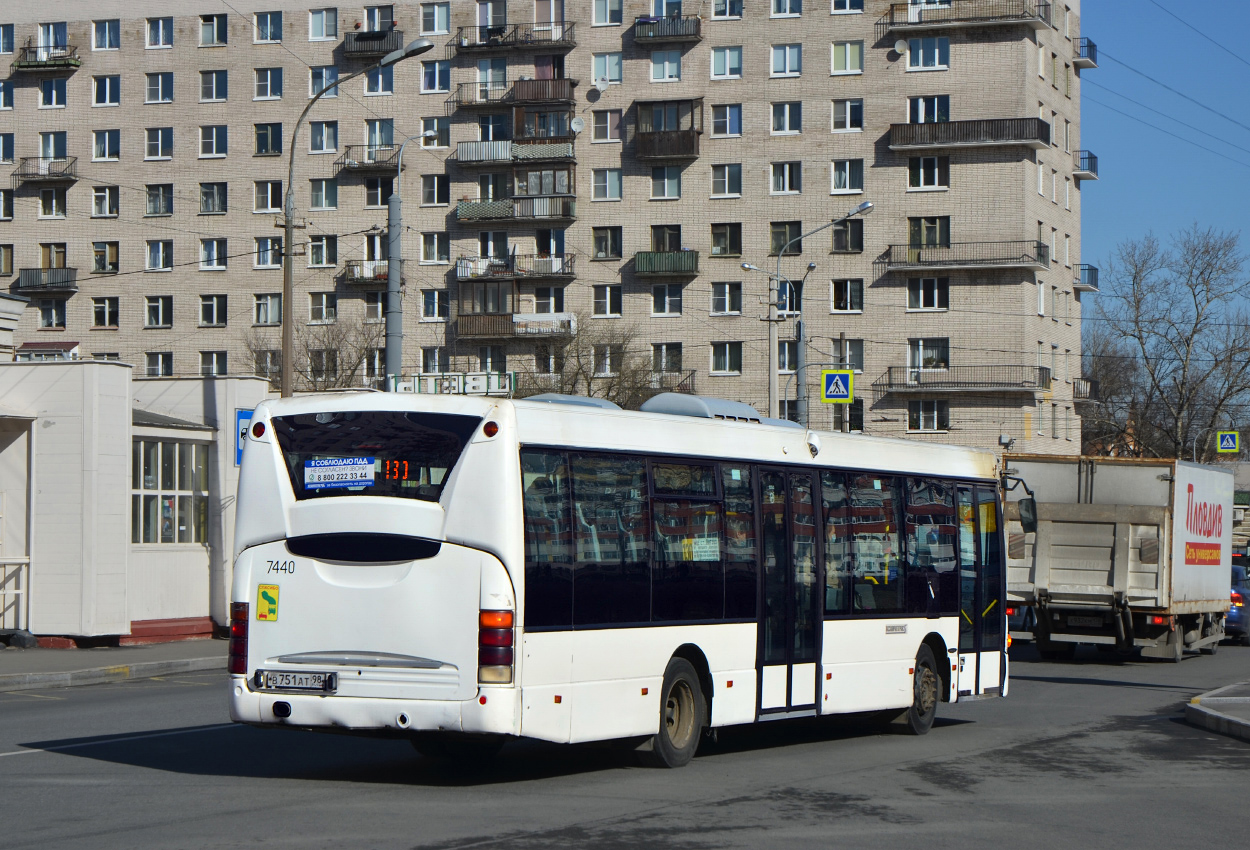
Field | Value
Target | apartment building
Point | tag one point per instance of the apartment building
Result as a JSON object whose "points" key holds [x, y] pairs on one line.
{"points": [[588, 179]]}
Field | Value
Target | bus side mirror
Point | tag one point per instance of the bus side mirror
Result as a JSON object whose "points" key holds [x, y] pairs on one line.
{"points": [[1028, 514]]}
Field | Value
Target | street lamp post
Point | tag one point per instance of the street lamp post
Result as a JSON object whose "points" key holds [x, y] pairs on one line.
{"points": [[416, 48], [394, 252]]}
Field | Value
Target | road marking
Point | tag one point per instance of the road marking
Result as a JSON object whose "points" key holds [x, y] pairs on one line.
{"points": [[32, 696], [121, 740]]}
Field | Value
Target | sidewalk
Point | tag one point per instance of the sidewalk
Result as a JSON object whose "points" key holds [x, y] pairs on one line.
{"points": [[24, 669], [1225, 710]]}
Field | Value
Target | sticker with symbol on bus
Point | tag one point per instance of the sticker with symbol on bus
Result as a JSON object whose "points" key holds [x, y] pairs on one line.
{"points": [[267, 602]]}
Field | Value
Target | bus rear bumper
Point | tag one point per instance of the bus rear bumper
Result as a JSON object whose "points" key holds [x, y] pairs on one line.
{"points": [[491, 711]]}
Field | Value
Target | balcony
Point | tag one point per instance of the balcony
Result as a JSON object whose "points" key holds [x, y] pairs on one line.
{"points": [[368, 272], [667, 144], [367, 45], [41, 168], [1085, 389], [508, 152], [1019, 254], [46, 282], [496, 93], [32, 58], [1085, 165], [515, 325], [542, 91], [674, 29], [666, 263], [479, 95], [484, 326], [369, 158], [1085, 53], [514, 37], [1086, 278], [1030, 132], [516, 266], [949, 14], [674, 382], [528, 209], [964, 379]]}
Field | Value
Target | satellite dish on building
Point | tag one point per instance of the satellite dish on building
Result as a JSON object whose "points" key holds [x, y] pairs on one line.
{"points": [[577, 124], [602, 84], [900, 47]]}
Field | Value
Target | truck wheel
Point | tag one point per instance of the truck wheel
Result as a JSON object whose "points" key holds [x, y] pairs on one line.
{"points": [[1210, 650], [681, 717], [926, 686]]}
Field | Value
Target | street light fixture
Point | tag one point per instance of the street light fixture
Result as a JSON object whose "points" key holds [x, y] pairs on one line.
{"points": [[416, 48]]}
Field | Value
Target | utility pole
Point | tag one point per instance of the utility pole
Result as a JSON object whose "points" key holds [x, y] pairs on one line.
{"points": [[394, 311], [844, 358]]}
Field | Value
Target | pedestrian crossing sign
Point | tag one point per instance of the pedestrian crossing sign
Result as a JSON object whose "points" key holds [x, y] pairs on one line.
{"points": [[837, 386], [1228, 442]]}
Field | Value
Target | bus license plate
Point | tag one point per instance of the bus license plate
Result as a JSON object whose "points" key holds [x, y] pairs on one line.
{"points": [[284, 681], [1085, 622]]}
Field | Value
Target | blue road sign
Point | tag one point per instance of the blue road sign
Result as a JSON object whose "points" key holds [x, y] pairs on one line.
{"points": [[1227, 442], [242, 421], [837, 386]]}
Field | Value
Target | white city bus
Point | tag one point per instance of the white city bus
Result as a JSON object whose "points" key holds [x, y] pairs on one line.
{"points": [[461, 569]]}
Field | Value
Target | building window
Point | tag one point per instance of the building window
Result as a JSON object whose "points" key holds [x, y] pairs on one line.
{"points": [[783, 233], [726, 358], [214, 87], [52, 255], [929, 232], [789, 301], [6, 94], [666, 299], [6, 204], [324, 193], [323, 24], [549, 299], [268, 84], [378, 190], [269, 139], [607, 184], [493, 358], [727, 181], [726, 299], [848, 6], [846, 296], [213, 254], [787, 356], [665, 182], [440, 132], [52, 202], [928, 415], [848, 115], [787, 118], [928, 293], [606, 12], [848, 58], [169, 486], [435, 248], [607, 300], [323, 250], [848, 176], [107, 35], [666, 357], [727, 239], [665, 66], [160, 88], [323, 137], [727, 63], [435, 305], [435, 18], [213, 141], [607, 125], [787, 178], [323, 308], [787, 8], [212, 198], [848, 236], [213, 30], [159, 312], [666, 238], [268, 27], [323, 78], [108, 91], [160, 33], [373, 306], [606, 67], [435, 77], [727, 120], [212, 363], [267, 310], [160, 199], [104, 312], [434, 360], [160, 364], [108, 145], [931, 353], [105, 257], [608, 360], [160, 254], [212, 311], [6, 147], [928, 54], [6, 260], [52, 313], [105, 201], [607, 242], [268, 252], [52, 93], [726, 9], [931, 109], [928, 172], [268, 364], [160, 143], [435, 190]]}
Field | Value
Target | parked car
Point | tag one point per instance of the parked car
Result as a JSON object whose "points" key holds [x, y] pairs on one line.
{"points": [[1237, 624]]}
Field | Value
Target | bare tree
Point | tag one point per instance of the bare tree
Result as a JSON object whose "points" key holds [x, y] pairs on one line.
{"points": [[330, 355], [1171, 340]]}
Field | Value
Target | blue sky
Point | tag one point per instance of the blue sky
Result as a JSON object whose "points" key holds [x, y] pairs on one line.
{"points": [[1151, 181]]}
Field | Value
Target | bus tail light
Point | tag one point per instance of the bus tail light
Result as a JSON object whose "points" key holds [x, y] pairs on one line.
{"points": [[1237, 600], [494, 647], [238, 637]]}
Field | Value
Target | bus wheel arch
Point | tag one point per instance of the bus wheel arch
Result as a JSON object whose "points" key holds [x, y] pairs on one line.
{"points": [[698, 661], [942, 656]]}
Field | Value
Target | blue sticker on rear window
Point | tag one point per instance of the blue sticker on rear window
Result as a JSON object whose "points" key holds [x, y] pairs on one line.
{"points": [[323, 473]]}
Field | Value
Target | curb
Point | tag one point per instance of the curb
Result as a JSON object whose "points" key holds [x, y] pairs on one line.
{"points": [[102, 675], [1203, 711]]}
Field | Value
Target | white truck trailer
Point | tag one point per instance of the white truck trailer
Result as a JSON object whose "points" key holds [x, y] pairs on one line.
{"points": [[1128, 554]]}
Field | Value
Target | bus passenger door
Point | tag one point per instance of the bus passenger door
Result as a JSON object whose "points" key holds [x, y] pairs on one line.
{"points": [[981, 617], [789, 617]]}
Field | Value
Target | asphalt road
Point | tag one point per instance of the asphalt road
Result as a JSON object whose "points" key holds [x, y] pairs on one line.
{"points": [[1086, 754]]}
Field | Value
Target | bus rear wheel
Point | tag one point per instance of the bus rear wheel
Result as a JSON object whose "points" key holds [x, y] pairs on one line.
{"points": [[681, 717], [926, 688]]}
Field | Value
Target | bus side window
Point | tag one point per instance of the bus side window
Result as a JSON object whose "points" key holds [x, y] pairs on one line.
{"points": [[877, 575], [991, 571], [548, 543], [688, 581], [837, 542], [929, 524], [967, 569], [611, 540], [741, 564]]}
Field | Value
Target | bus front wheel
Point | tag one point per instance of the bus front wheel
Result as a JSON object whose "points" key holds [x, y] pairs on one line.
{"points": [[926, 686], [681, 717]]}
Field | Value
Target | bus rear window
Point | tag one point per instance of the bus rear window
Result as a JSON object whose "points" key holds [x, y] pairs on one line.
{"points": [[372, 452]]}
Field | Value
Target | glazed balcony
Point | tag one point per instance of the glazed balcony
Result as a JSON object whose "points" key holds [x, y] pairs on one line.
{"points": [[46, 282], [1085, 53], [666, 263], [964, 379], [518, 209], [369, 158], [486, 39], [989, 132], [516, 266], [368, 272], [1019, 254], [952, 14], [1085, 165], [367, 45], [672, 29], [40, 168], [1086, 279], [667, 144], [34, 58]]}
